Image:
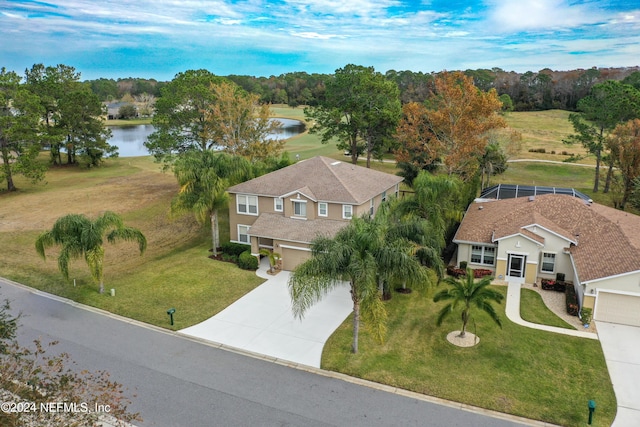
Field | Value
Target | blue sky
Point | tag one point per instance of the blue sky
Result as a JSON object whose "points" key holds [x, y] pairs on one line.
{"points": [[159, 38]]}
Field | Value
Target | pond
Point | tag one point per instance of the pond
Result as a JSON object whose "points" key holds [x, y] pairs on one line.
{"points": [[130, 139]]}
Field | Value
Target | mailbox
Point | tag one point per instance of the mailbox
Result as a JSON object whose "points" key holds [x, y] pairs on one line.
{"points": [[170, 313]]}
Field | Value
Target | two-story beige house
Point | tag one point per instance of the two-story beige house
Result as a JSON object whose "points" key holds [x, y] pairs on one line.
{"points": [[286, 209]]}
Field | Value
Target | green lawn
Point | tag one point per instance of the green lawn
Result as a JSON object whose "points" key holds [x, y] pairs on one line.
{"points": [[174, 272], [533, 309], [516, 370]]}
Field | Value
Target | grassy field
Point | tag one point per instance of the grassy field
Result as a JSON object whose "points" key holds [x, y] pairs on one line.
{"points": [[516, 370], [174, 272]]}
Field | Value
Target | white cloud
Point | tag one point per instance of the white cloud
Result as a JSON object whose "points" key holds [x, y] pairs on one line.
{"points": [[313, 35], [531, 15]]}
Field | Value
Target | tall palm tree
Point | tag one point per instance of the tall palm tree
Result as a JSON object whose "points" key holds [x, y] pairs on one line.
{"points": [[407, 226], [204, 177], [471, 294], [436, 199], [79, 236], [359, 254]]}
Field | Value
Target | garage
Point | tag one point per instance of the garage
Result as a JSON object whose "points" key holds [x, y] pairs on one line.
{"points": [[293, 255], [613, 307]]}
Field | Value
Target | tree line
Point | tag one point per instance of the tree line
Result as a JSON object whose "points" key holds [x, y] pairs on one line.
{"points": [[541, 90]]}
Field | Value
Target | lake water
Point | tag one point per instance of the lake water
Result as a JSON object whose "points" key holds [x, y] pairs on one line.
{"points": [[130, 139]]}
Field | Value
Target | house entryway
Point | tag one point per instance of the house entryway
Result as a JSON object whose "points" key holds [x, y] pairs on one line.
{"points": [[515, 268]]}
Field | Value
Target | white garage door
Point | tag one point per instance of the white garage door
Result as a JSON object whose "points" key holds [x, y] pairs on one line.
{"points": [[618, 308], [292, 257]]}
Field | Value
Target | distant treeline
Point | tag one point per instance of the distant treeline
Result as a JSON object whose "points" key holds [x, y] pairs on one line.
{"points": [[542, 90]]}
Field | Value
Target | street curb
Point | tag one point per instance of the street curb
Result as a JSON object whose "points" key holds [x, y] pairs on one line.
{"points": [[298, 366]]}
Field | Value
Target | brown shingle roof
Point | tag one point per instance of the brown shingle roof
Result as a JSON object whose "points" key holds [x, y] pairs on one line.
{"points": [[608, 239], [275, 226], [327, 179]]}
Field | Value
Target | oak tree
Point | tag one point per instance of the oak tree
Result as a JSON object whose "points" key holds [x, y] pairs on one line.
{"points": [[20, 136], [453, 127], [360, 109], [624, 144]]}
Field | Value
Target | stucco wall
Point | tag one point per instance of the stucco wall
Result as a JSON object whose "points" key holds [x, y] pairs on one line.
{"points": [[626, 283]]}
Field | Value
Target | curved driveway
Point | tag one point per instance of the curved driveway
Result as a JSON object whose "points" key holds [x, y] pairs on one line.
{"points": [[262, 322]]}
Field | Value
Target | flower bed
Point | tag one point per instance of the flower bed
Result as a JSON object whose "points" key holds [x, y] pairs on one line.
{"points": [[554, 285], [477, 273], [572, 301]]}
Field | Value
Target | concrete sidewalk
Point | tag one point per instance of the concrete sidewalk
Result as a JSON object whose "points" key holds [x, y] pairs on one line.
{"points": [[262, 322], [513, 314]]}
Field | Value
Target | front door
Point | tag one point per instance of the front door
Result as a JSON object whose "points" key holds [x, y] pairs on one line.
{"points": [[516, 266]]}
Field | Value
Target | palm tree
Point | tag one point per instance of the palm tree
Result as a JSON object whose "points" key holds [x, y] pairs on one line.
{"points": [[436, 200], [79, 236], [471, 294], [204, 177], [359, 254]]}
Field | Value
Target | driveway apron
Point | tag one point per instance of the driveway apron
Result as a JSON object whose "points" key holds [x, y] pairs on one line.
{"points": [[262, 322], [621, 347]]}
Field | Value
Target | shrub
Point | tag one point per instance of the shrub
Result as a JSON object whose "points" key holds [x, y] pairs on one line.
{"points": [[246, 261], [585, 315], [455, 272], [229, 258], [572, 300], [463, 265], [231, 248], [479, 273], [553, 151]]}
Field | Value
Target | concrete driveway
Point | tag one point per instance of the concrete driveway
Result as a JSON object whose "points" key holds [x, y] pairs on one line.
{"points": [[262, 322], [621, 347]]}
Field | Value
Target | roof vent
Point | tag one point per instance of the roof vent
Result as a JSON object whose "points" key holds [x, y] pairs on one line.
{"points": [[532, 198], [336, 163], [480, 207]]}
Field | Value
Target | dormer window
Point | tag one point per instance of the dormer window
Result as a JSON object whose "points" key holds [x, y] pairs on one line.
{"points": [[300, 208]]}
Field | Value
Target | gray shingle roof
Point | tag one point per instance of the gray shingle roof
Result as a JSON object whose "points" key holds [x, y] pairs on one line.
{"points": [[608, 239], [276, 226], [327, 179]]}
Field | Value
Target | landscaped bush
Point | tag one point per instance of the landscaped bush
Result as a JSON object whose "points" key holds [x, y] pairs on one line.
{"points": [[229, 258], [236, 249], [455, 272], [246, 261], [481, 272], [548, 284], [572, 301]]}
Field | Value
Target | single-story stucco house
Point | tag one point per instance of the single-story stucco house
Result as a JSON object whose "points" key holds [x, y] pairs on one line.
{"points": [[526, 239], [286, 209]]}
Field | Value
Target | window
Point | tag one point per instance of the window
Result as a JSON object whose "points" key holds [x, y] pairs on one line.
{"points": [[347, 211], [277, 204], [384, 196], [323, 209], [548, 262], [247, 204], [243, 234], [483, 255], [371, 207], [397, 190], [300, 208]]}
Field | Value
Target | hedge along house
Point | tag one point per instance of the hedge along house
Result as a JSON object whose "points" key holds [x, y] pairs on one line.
{"points": [[286, 209], [530, 238]]}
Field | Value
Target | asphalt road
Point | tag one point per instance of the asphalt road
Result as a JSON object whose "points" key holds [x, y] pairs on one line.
{"points": [[179, 382]]}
